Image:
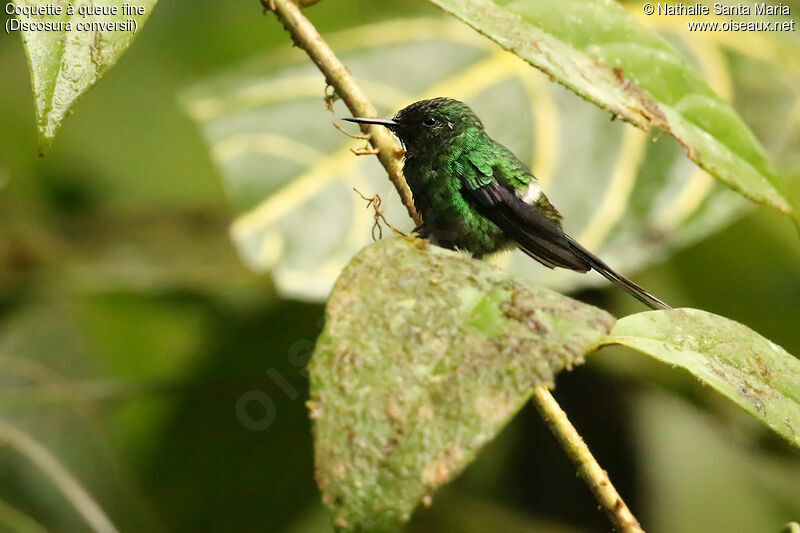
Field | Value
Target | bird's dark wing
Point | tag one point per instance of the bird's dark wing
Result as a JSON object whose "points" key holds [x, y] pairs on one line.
{"points": [[538, 235]]}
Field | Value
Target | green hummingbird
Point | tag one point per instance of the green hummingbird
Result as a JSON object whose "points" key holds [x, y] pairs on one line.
{"points": [[475, 195]]}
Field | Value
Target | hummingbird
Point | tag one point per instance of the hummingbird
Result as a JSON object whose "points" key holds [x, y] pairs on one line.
{"points": [[475, 195]]}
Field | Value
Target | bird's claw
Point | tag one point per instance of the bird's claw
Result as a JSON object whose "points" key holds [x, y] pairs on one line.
{"points": [[422, 231]]}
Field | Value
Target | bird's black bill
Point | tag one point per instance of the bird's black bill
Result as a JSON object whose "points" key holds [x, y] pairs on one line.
{"points": [[377, 121]]}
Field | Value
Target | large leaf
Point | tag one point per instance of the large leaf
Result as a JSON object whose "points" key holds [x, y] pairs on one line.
{"points": [[425, 356], [65, 64], [290, 175], [597, 49], [752, 371], [759, 72]]}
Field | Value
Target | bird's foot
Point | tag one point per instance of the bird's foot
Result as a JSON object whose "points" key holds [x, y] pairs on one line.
{"points": [[422, 231]]}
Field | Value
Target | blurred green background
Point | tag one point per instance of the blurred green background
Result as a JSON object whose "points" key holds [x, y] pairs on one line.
{"points": [[129, 330]]}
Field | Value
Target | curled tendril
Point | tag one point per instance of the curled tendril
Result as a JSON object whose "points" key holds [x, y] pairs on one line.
{"points": [[375, 202]]}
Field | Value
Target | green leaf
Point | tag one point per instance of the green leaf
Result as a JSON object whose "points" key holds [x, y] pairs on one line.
{"points": [[289, 174], [425, 355], [65, 64], [754, 372], [598, 50]]}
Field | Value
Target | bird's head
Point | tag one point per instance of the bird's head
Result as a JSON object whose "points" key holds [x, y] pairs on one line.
{"points": [[428, 123]]}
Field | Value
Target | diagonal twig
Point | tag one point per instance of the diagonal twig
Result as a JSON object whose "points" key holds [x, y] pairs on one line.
{"points": [[337, 76], [588, 468]]}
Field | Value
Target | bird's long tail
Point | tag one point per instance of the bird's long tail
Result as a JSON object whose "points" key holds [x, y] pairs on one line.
{"points": [[606, 271]]}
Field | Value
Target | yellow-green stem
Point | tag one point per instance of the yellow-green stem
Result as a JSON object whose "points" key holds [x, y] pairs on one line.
{"points": [[588, 468], [337, 76]]}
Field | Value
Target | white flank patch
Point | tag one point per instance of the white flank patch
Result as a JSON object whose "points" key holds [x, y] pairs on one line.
{"points": [[532, 194]]}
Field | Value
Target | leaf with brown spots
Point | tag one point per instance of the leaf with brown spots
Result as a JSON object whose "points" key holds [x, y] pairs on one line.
{"points": [[752, 371], [425, 356]]}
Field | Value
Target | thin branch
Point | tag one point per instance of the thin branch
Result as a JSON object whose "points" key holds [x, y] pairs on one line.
{"points": [[588, 468], [351, 135], [337, 76]]}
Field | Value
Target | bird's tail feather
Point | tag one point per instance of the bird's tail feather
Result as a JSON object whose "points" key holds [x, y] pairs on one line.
{"points": [[606, 271]]}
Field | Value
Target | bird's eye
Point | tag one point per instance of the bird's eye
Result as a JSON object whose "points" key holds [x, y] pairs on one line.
{"points": [[430, 121]]}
